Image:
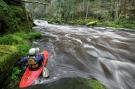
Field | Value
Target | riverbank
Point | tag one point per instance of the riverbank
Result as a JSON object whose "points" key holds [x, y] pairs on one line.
{"points": [[93, 22], [14, 46]]}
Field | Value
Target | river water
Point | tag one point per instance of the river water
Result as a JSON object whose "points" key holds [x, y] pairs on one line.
{"points": [[77, 53]]}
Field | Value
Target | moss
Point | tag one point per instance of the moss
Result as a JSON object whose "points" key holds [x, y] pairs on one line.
{"points": [[96, 85], [92, 23], [34, 35], [23, 49], [19, 38], [13, 18], [20, 42], [12, 39], [9, 54], [80, 21]]}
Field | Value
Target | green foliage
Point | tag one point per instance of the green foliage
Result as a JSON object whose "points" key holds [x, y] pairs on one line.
{"points": [[16, 71], [13, 18], [9, 54], [96, 85], [21, 46], [23, 49], [92, 23], [34, 35], [8, 57], [19, 38], [14, 78], [54, 20], [88, 21], [118, 24], [112, 13], [12, 39]]}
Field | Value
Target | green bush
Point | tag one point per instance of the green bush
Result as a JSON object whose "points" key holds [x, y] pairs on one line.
{"points": [[12, 39], [54, 20], [117, 24], [23, 49], [34, 35], [19, 38], [15, 73]]}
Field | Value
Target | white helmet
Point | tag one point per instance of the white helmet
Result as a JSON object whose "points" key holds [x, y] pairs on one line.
{"points": [[34, 51]]}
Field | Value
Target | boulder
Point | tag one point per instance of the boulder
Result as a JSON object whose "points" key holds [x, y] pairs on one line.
{"points": [[8, 57]]}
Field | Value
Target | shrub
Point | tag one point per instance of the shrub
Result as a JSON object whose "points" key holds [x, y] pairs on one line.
{"points": [[23, 49], [34, 35]]}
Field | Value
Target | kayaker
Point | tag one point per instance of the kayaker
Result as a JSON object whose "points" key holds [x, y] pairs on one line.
{"points": [[33, 60]]}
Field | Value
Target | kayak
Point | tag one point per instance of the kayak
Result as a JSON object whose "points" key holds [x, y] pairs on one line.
{"points": [[30, 75]]}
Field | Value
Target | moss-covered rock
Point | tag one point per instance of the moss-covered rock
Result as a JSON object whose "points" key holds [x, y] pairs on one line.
{"points": [[96, 84], [71, 83], [92, 23], [13, 17], [8, 57]]}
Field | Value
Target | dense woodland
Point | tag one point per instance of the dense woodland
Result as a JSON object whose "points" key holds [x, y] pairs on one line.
{"points": [[101, 9], [67, 10]]}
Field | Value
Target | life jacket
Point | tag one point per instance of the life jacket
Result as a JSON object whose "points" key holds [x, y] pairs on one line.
{"points": [[32, 63]]}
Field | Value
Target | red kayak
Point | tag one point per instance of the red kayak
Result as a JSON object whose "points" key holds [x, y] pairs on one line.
{"points": [[30, 75]]}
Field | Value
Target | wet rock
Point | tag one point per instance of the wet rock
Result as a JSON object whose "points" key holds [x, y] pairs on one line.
{"points": [[106, 70]]}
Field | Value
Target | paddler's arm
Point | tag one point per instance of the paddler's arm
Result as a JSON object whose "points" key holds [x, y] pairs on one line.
{"points": [[23, 61], [41, 54]]}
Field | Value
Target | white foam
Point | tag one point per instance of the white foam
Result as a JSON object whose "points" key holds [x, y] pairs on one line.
{"points": [[40, 23], [88, 46]]}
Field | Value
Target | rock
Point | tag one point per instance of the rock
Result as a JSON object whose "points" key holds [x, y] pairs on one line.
{"points": [[92, 23], [40, 23], [13, 17], [8, 57]]}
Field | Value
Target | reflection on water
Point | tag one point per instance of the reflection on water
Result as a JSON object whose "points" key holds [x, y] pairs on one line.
{"points": [[106, 55]]}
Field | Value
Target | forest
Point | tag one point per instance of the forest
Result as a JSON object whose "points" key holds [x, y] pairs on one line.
{"points": [[115, 13]]}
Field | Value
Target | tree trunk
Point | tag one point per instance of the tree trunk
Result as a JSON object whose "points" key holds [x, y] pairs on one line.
{"points": [[87, 11], [117, 10]]}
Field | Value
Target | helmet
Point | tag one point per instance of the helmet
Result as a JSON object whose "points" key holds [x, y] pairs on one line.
{"points": [[34, 51]]}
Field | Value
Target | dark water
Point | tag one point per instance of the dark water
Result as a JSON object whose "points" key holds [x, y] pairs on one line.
{"points": [[101, 53]]}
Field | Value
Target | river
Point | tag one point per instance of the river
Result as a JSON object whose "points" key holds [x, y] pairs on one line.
{"points": [[77, 53]]}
